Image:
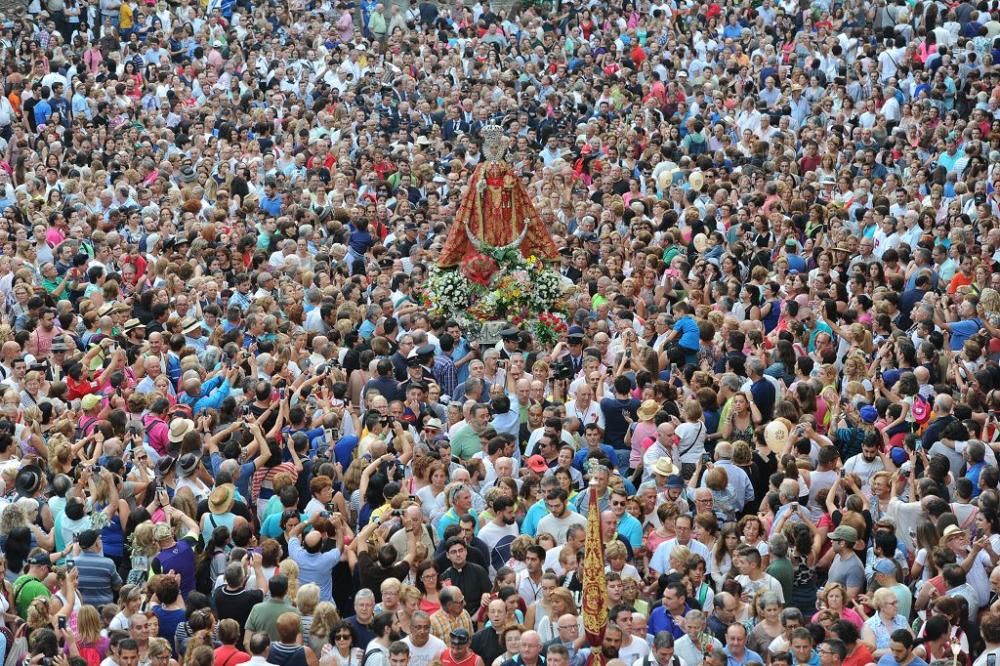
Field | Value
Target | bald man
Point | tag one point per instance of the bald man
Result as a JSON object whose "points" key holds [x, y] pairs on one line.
{"points": [[413, 522], [314, 565], [488, 642]]}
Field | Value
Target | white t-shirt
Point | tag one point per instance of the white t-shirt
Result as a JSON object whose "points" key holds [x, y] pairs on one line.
{"points": [[423, 656], [690, 442], [864, 469], [634, 651], [557, 527], [498, 539], [768, 583]]}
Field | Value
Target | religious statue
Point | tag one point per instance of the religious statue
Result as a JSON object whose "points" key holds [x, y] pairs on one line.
{"points": [[496, 211]]}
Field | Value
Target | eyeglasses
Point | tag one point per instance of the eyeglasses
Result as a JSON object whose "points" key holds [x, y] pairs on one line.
{"points": [[618, 503]]}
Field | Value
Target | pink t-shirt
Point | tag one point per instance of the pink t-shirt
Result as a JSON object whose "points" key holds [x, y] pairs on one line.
{"points": [[643, 430]]}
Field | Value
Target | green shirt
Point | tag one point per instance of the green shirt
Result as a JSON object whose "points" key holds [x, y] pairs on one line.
{"points": [[27, 588], [781, 570], [264, 617], [465, 443], [51, 285]]}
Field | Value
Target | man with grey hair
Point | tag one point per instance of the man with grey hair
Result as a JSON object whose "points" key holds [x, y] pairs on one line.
{"points": [[763, 389], [739, 482], [694, 644], [791, 619], [788, 495], [724, 609], [943, 406], [424, 647], [780, 568]]}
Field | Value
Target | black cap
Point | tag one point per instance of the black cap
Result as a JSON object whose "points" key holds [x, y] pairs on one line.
{"points": [[510, 333], [39, 559], [425, 350], [460, 636]]}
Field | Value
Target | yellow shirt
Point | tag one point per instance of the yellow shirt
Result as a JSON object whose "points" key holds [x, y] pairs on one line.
{"points": [[125, 17]]}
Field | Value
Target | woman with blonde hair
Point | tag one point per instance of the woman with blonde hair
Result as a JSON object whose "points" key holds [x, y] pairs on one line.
{"points": [[88, 631], [389, 588], [160, 653], [561, 602], [290, 569], [306, 600], [878, 629], [833, 598], [679, 556], [325, 617], [143, 549], [409, 602]]}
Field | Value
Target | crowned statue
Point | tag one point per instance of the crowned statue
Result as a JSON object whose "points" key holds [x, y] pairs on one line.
{"points": [[496, 211]]}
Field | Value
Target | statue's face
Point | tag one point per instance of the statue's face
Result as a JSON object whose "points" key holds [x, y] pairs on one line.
{"points": [[494, 146]]}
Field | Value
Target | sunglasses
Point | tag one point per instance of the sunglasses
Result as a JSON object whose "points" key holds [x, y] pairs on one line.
{"points": [[344, 637]]}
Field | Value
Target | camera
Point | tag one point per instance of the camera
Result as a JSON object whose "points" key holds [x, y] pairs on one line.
{"points": [[562, 370]]}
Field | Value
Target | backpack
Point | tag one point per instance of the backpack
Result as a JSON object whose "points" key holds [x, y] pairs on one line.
{"points": [[90, 655], [203, 581], [921, 410]]}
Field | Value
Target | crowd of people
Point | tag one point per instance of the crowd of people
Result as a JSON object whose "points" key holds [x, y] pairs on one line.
{"points": [[234, 429]]}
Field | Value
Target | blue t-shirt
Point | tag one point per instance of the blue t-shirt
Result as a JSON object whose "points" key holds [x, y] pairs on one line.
{"points": [[581, 456], [630, 528], [42, 112], [271, 205], [360, 242], [690, 336], [888, 660], [962, 331], [614, 419]]}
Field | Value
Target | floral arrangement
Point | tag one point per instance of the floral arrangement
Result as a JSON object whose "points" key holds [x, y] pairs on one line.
{"points": [[500, 284], [548, 327]]}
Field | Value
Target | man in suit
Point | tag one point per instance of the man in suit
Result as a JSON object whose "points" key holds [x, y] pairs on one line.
{"points": [[453, 125]]}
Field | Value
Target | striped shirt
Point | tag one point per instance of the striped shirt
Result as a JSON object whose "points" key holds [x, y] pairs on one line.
{"points": [[98, 579]]}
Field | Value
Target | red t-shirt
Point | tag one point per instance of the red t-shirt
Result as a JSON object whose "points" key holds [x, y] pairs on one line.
{"points": [[229, 655], [861, 656]]}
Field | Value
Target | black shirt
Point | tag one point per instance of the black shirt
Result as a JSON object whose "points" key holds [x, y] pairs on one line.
{"points": [[486, 643], [236, 605], [472, 580]]}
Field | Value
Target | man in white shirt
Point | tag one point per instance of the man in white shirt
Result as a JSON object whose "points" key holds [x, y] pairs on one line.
{"points": [[424, 648], [660, 562], [575, 536], [752, 578], [560, 517], [499, 533]]}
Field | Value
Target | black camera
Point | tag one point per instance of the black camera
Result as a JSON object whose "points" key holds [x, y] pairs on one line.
{"points": [[562, 370]]}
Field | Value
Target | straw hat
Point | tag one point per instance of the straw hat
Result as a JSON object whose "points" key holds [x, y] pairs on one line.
{"points": [[665, 467], [222, 498], [647, 411]]}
